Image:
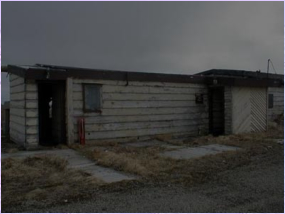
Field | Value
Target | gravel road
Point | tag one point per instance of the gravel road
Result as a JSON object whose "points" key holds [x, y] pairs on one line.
{"points": [[257, 187]]}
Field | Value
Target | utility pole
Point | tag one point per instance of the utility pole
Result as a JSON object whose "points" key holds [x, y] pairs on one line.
{"points": [[268, 67]]}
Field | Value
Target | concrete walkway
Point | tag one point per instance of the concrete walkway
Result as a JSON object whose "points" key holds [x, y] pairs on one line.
{"points": [[77, 161], [196, 152]]}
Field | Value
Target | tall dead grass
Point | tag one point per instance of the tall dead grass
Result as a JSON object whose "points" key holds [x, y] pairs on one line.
{"points": [[147, 162], [140, 161], [42, 178], [245, 141]]}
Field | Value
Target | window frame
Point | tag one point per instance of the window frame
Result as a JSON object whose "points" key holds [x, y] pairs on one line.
{"points": [[100, 98]]}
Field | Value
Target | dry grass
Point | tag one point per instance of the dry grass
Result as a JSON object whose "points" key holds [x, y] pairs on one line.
{"points": [[147, 163], [48, 180], [8, 146], [42, 178], [140, 161], [245, 141], [202, 169]]}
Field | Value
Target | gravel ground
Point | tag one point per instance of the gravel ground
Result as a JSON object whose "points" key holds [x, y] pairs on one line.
{"points": [[257, 187]]}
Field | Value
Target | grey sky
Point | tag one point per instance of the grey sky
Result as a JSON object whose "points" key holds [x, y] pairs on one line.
{"points": [[170, 37]]}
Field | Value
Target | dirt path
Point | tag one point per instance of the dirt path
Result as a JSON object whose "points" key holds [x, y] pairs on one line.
{"points": [[257, 187]]}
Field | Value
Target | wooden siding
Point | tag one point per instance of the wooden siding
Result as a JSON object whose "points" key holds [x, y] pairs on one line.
{"points": [[141, 109], [32, 128], [17, 109], [278, 103], [249, 109]]}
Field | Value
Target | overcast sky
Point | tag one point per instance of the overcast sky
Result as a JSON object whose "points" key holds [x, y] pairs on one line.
{"points": [[169, 37]]}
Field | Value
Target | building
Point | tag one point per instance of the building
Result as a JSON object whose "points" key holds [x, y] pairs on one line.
{"points": [[47, 103]]}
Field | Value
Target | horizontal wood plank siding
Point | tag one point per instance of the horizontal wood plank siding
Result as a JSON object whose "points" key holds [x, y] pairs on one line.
{"points": [[78, 104], [17, 109], [141, 118], [32, 129], [142, 84], [140, 132], [16, 80], [142, 109]]}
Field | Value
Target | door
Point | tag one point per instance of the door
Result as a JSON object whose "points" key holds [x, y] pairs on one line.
{"points": [[58, 113], [52, 128], [216, 111]]}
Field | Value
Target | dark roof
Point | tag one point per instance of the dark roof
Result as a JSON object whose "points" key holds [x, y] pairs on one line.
{"points": [[221, 77], [241, 74], [40, 71]]}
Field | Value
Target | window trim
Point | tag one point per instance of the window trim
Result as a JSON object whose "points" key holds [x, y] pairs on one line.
{"points": [[83, 100]]}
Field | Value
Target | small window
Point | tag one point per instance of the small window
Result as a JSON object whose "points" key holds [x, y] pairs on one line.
{"points": [[92, 98], [270, 100]]}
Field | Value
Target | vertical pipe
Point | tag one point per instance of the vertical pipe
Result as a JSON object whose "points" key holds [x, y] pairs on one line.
{"points": [[268, 67]]}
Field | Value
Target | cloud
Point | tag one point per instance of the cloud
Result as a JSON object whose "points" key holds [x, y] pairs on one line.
{"points": [[171, 37]]}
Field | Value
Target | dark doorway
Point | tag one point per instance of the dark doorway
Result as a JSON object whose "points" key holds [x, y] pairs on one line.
{"points": [[52, 129], [216, 111]]}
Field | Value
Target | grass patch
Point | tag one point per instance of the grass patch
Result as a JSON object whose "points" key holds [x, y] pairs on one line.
{"points": [[140, 161], [7, 146], [144, 161], [43, 179], [147, 163], [245, 141]]}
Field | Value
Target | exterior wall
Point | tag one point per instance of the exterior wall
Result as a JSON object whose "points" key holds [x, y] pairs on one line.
{"points": [[23, 112], [17, 109], [278, 103], [140, 109], [248, 109], [32, 114], [228, 110]]}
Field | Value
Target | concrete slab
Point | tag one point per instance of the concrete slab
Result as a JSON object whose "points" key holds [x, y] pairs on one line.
{"points": [[78, 161], [106, 174], [196, 152]]}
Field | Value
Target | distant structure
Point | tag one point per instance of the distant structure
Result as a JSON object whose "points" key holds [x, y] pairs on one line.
{"points": [[48, 102]]}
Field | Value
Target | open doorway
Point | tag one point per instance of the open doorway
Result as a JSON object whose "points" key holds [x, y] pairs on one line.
{"points": [[216, 110], [52, 129]]}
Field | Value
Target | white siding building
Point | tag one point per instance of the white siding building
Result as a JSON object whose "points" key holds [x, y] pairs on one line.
{"points": [[47, 102]]}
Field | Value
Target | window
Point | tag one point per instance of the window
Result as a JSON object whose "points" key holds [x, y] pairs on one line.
{"points": [[270, 100], [91, 98]]}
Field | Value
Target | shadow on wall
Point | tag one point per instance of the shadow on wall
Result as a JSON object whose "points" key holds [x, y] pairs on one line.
{"points": [[5, 114], [5, 87]]}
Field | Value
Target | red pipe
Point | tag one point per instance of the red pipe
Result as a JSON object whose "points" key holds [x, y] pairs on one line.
{"points": [[81, 131]]}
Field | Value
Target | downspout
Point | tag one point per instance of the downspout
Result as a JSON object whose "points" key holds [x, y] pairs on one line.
{"points": [[267, 108]]}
